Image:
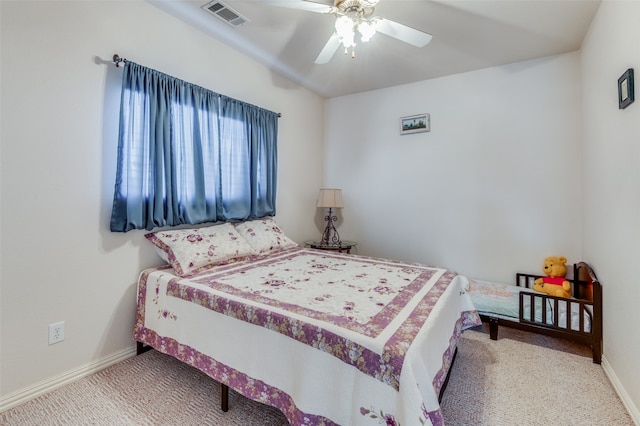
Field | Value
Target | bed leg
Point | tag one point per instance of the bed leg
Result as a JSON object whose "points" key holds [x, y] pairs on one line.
{"points": [[596, 349], [224, 397], [493, 328], [141, 348], [446, 379], [597, 355]]}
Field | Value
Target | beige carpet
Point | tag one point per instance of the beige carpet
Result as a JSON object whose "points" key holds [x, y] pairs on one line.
{"points": [[528, 379], [521, 379]]}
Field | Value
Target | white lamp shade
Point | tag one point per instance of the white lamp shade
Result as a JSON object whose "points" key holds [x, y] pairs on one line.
{"points": [[330, 197]]}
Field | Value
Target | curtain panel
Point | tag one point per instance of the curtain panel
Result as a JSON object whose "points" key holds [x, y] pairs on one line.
{"points": [[187, 155]]}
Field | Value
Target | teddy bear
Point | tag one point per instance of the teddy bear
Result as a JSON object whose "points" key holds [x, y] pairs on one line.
{"points": [[554, 284]]}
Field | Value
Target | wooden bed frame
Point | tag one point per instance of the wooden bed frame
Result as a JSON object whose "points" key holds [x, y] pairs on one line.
{"points": [[587, 297]]}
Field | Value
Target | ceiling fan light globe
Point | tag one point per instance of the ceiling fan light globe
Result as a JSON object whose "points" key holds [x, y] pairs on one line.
{"points": [[344, 26], [367, 30], [348, 40]]}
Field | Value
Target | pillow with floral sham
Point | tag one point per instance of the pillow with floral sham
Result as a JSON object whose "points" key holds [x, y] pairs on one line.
{"points": [[194, 250], [264, 235]]}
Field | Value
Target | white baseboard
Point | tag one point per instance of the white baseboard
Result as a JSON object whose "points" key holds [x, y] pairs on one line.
{"points": [[45, 386], [622, 393]]}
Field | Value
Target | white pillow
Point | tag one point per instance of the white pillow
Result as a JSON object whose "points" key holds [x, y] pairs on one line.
{"points": [[194, 250], [264, 236]]}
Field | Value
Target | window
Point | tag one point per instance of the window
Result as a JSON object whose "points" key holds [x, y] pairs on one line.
{"points": [[187, 155]]}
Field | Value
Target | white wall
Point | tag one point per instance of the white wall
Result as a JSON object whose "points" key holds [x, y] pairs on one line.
{"points": [[523, 161], [493, 189], [60, 102], [611, 185]]}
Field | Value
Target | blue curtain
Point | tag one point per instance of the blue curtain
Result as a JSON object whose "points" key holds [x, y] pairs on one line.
{"points": [[187, 155]]}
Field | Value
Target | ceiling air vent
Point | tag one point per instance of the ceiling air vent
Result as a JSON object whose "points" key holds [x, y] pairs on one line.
{"points": [[225, 13]]}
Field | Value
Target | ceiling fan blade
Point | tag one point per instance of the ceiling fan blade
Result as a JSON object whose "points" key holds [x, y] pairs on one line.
{"points": [[402, 32], [301, 5], [328, 50]]}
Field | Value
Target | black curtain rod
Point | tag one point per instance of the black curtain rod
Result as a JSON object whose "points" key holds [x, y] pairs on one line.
{"points": [[117, 60]]}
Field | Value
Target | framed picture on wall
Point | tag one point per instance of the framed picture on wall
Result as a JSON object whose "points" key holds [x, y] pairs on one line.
{"points": [[415, 124], [625, 89]]}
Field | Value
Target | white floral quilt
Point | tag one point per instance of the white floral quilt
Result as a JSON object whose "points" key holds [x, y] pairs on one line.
{"points": [[328, 338]]}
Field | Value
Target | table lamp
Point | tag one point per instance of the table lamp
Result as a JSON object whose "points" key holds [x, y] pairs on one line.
{"points": [[330, 198]]}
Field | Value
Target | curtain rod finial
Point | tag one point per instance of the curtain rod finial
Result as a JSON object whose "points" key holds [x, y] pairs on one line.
{"points": [[117, 60]]}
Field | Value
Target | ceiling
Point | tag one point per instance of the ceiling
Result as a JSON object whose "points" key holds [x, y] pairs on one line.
{"points": [[467, 35]]}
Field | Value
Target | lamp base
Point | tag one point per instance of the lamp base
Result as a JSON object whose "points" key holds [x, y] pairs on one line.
{"points": [[330, 236]]}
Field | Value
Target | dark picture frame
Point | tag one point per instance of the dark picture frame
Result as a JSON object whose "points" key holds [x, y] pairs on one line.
{"points": [[625, 89]]}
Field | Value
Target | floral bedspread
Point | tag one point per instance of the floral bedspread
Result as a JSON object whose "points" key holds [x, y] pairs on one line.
{"points": [[326, 337]]}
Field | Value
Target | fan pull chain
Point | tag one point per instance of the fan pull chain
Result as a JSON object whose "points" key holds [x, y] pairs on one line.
{"points": [[353, 51]]}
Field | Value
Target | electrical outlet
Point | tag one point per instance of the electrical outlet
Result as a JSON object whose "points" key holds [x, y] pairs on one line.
{"points": [[56, 332]]}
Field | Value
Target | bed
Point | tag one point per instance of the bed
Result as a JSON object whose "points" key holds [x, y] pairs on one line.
{"points": [[578, 318], [328, 338]]}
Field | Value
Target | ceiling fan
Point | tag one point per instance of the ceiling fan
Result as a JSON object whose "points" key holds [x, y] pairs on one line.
{"points": [[352, 16]]}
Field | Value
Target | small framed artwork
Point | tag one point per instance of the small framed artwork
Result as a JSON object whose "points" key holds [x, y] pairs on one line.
{"points": [[625, 89], [415, 124]]}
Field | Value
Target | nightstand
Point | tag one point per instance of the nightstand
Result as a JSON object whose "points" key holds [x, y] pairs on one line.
{"points": [[343, 247]]}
